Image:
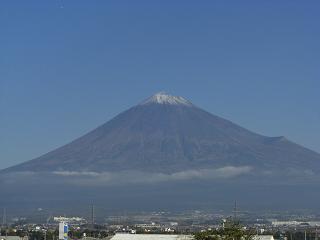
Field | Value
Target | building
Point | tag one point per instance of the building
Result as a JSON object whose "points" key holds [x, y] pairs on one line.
{"points": [[122, 236], [263, 237], [13, 238]]}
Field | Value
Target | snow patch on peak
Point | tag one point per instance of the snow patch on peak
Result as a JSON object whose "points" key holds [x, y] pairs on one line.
{"points": [[164, 98]]}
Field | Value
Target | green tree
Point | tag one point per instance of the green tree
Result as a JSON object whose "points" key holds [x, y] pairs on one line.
{"points": [[230, 231]]}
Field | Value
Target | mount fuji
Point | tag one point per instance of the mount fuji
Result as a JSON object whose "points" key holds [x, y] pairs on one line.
{"points": [[167, 141]]}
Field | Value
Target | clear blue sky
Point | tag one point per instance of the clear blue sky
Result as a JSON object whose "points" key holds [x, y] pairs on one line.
{"points": [[69, 66]]}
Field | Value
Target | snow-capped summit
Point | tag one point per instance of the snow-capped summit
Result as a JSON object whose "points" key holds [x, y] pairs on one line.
{"points": [[164, 98]]}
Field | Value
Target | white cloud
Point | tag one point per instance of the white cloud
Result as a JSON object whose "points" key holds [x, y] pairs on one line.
{"points": [[74, 173], [91, 178], [132, 177]]}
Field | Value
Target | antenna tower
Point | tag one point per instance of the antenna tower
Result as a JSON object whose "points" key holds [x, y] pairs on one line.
{"points": [[92, 216]]}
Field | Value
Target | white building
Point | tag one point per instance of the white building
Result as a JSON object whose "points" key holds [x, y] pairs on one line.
{"points": [[12, 238], [263, 237], [122, 236], [68, 219]]}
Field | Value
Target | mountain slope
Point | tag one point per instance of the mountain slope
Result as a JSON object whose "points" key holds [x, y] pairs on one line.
{"points": [[169, 134]]}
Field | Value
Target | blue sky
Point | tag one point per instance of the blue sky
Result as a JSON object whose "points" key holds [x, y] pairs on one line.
{"points": [[69, 66]]}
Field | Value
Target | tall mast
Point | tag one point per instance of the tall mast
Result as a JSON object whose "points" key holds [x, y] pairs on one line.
{"points": [[235, 211], [92, 216]]}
